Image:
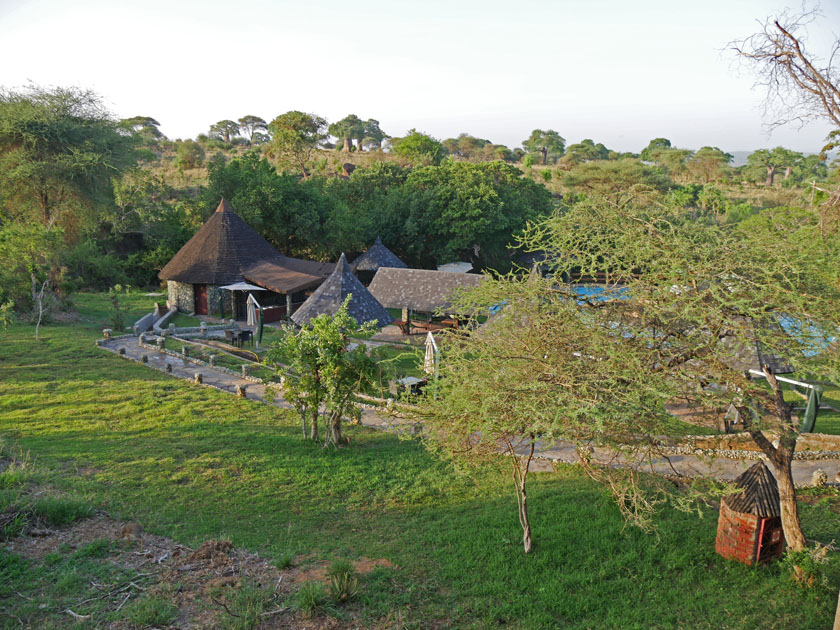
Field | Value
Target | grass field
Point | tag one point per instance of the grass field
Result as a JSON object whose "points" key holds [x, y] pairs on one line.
{"points": [[193, 463]]}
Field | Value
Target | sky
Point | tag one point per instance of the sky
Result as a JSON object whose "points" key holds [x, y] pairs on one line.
{"points": [[615, 71]]}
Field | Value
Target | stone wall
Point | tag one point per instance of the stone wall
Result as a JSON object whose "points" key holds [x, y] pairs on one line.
{"points": [[214, 296], [181, 296]]}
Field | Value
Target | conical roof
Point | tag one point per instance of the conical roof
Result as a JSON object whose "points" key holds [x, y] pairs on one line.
{"points": [[759, 494], [377, 256], [218, 252], [331, 294]]}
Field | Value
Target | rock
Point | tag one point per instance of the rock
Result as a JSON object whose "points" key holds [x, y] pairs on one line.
{"points": [[819, 479]]}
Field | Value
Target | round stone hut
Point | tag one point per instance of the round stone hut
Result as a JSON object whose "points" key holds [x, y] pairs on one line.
{"points": [[214, 257]]}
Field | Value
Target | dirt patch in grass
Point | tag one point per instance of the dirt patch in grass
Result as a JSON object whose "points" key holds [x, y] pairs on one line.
{"points": [[318, 573], [206, 585]]}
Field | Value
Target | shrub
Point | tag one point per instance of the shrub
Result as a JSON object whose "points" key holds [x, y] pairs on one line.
{"points": [[343, 583]]}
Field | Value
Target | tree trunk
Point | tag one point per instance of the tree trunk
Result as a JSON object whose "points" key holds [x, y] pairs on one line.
{"points": [[781, 458], [788, 171], [346, 146], [837, 614], [313, 429], [520, 476], [787, 502], [544, 152], [771, 174], [359, 147]]}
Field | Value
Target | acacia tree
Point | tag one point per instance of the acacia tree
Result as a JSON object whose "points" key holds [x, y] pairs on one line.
{"points": [[59, 152], [295, 135], [680, 300], [251, 125], [546, 143], [323, 374], [224, 130]]}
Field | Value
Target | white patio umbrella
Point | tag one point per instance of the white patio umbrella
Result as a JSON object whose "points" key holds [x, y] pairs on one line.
{"points": [[430, 359], [253, 305]]}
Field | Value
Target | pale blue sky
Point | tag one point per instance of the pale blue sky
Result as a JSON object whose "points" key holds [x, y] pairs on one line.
{"points": [[616, 71]]}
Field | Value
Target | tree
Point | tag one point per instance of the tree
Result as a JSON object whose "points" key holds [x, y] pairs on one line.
{"points": [[799, 87], [146, 126], [347, 129], [290, 214], [251, 125], [59, 151], [672, 160], [224, 130], [654, 145], [372, 135], [189, 154], [323, 372], [680, 300], [29, 273], [464, 211], [587, 151], [295, 135], [546, 143], [773, 160], [419, 147], [605, 177], [708, 164]]}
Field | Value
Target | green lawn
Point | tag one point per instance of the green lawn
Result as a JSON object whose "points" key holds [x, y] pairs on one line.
{"points": [[194, 463]]}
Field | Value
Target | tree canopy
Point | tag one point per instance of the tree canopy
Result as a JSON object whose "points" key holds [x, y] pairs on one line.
{"points": [[419, 147], [59, 150], [681, 304], [547, 143], [295, 135]]}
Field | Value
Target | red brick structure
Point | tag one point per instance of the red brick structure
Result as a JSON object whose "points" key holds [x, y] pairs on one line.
{"points": [[750, 525]]}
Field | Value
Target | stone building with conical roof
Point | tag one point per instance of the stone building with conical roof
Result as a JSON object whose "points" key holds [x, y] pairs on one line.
{"points": [[328, 297], [225, 251]]}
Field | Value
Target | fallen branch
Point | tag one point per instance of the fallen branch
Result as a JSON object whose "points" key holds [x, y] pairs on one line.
{"points": [[223, 605], [77, 616]]}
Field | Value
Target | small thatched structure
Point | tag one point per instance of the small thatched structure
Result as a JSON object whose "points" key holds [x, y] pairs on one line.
{"points": [[420, 290], [328, 297], [375, 257], [750, 524]]}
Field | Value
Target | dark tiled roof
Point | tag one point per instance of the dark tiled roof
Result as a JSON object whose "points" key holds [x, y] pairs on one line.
{"points": [[282, 274], [219, 251], [760, 494], [331, 294], [377, 256], [419, 289]]}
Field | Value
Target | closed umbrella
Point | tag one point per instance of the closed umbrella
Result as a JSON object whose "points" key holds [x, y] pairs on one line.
{"points": [[430, 359], [253, 305]]}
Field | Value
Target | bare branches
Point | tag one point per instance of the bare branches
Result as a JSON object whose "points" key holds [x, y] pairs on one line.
{"points": [[798, 89]]}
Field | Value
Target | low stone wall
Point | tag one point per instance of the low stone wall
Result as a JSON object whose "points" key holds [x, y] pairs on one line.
{"points": [[811, 446], [143, 343]]}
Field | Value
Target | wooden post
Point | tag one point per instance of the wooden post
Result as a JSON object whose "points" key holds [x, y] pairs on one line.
{"points": [[288, 305]]}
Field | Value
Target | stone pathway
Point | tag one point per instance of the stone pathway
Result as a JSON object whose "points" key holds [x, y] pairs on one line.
{"points": [[561, 452]]}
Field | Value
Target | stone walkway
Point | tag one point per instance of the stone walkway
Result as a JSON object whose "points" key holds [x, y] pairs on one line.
{"points": [[562, 452]]}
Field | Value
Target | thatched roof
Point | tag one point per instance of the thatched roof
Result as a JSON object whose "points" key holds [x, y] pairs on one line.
{"points": [[760, 494], [282, 274], [419, 289], [327, 298], [377, 256], [219, 251]]}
